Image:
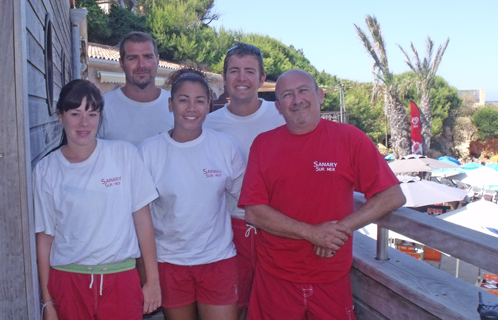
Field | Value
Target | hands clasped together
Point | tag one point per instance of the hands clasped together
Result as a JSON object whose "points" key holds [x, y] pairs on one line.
{"points": [[328, 237]]}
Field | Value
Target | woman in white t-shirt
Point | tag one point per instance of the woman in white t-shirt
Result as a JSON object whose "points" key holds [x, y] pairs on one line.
{"points": [[193, 170], [92, 219]]}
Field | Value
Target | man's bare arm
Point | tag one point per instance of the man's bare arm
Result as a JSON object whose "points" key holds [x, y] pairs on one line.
{"points": [[328, 234], [376, 207]]}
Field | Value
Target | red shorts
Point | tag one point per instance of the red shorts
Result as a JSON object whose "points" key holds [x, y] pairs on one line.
{"points": [[244, 238], [213, 283], [274, 298], [114, 296]]}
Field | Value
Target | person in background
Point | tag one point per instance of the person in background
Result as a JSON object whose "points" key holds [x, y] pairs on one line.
{"points": [[139, 109], [193, 170], [244, 118], [92, 219], [298, 191]]}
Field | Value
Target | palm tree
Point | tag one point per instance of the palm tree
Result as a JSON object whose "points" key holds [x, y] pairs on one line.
{"points": [[425, 72], [393, 108]]}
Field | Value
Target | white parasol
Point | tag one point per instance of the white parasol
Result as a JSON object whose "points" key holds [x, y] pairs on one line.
{"points": [[417, 163], [480, 216], [421, 193], [480, 177]]}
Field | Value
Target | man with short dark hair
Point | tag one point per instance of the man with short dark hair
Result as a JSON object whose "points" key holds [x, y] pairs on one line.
{"points": [[298, 192], [139, 109], [244, 118]]}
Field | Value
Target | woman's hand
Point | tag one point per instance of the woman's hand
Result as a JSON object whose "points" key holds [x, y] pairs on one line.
{"points": [[49, 312], [152, 296]]}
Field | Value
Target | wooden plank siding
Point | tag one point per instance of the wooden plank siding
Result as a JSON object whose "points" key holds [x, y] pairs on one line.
{"points": [[27, 132], [45, 130], [18, 285], [12, 288]]}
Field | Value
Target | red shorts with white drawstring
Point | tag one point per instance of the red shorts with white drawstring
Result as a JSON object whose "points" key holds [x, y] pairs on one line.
{"points": [[114, 296], [212, 283], [244, 238], [275, 298]]}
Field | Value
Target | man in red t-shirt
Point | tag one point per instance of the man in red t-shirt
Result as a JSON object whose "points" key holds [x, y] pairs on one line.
{"points": [[298, 189]]}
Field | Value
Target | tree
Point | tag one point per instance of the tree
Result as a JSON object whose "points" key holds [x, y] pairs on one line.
{"points": [[486, 122], [365, 113], [180, 28], [425, 72], [393, 108], [110, 28]]}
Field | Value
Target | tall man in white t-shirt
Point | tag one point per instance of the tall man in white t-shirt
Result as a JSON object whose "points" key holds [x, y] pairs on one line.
{"points": [[244, 118], [139, 109]]}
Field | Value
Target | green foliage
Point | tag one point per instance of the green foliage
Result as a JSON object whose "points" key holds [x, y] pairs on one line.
{"points": [[486, 122], [181, 31], [444, 100], [444, 103], [364, 114], [97, 21], [122, 22], [110, 28]]}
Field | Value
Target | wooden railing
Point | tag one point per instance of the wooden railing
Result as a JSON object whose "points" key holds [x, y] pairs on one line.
{"points": [[405, 288]]}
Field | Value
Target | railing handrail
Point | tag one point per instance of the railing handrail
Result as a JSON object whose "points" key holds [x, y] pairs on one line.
{"points": [[466, 244]]}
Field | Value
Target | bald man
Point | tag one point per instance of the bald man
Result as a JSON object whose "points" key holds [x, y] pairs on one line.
{"points": [[298, 190]]}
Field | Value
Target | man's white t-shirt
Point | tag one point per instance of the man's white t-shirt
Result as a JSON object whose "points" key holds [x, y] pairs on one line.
{"points": [[191, 218], [87, 206], [132, 121], [244, 130]]}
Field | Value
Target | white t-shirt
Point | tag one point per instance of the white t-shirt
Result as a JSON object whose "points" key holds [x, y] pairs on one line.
{"points": [[191, 218], [244, 130], [88, 206], [132, 121]]}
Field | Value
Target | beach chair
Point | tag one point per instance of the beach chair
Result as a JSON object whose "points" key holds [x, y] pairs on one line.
{"points": [[432, 255]]}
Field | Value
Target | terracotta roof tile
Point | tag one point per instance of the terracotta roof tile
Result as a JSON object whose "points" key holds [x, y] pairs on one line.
{"points": [[104, 52]]}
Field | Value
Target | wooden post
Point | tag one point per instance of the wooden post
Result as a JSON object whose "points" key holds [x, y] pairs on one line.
{"points": [[18, 290]]}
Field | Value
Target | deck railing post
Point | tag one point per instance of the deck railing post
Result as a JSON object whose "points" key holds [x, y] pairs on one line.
{"points": [[382, 244]]}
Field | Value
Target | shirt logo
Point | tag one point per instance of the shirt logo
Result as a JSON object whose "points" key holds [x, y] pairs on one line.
{"points": [[116, 181], [324, 166], [211, 173]]}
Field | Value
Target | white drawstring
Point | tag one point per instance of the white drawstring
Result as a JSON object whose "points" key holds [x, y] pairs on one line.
{"points": [[248, 231], [101, 283]]}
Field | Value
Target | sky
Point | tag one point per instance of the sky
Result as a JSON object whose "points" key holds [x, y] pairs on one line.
{"points": [[325, 30]]}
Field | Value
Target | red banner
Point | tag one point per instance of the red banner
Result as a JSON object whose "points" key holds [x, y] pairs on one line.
{"points": [[416, 132]]}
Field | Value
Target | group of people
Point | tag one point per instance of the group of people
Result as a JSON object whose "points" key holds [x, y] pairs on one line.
{"points": [[246, 212]]}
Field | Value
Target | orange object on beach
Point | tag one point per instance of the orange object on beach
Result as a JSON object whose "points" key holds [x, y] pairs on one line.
{"points": [[494, 158]]}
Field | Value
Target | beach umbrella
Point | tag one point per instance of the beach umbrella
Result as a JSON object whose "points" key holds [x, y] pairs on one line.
{"points": [[481, 216], [471, 166], [417, 163], [494, 158], [493, 165], [449, 160], [446, 172], [480, 177], [421, 193]]}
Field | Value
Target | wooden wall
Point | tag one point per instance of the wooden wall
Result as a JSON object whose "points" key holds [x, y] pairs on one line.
{"points": [[45, 130], [13, 283], [27, 131]]}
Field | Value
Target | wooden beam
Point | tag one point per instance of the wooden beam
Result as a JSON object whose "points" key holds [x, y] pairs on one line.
{"points": [[463, 243], [405, 288]]}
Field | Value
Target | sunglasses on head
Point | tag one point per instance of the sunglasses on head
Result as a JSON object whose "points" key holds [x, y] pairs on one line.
{"points": [[249, 46]]}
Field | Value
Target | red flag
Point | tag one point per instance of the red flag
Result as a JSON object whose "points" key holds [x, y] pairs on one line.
{"points": [[416, 132]]}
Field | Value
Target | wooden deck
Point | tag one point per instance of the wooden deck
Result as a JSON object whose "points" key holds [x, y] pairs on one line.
{"points": [[406, 288]]}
